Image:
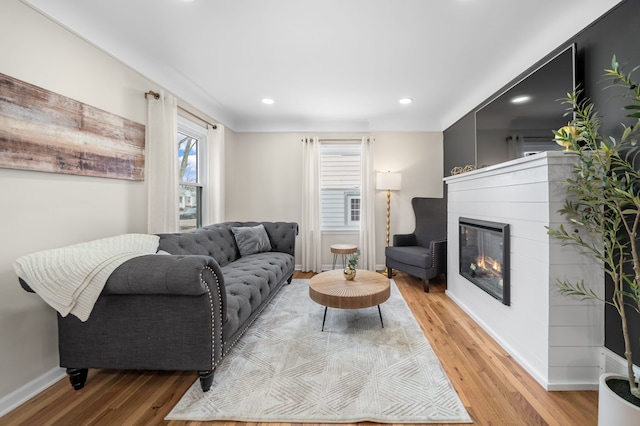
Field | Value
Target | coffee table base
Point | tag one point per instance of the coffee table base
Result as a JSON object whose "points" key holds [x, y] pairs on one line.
{"points": [[324, 318]]}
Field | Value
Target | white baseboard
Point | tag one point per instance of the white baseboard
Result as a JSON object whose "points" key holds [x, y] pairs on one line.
{"points": [[328, 267], [549, 386], [29, 390], [514, 354], [611, 362], [572, 386]]}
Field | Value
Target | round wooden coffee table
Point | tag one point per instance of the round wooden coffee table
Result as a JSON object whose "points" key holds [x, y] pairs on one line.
{"points": [[331, 290]]}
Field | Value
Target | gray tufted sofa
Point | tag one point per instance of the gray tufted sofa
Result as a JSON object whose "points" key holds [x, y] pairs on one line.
{"points": [[181, 311]]}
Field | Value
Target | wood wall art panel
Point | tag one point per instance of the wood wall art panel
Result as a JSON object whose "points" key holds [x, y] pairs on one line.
{"points": [[44, 131]]}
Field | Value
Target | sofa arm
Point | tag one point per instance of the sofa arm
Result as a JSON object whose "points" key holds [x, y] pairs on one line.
{"points": [[160, 274], [282, 236], [403, 240], [163, 274], [439, 250]]}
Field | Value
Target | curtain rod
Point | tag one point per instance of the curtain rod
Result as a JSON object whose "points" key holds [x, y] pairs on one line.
{"points": [[531, 138], [335, 140], [341, 140], [157, 96]]}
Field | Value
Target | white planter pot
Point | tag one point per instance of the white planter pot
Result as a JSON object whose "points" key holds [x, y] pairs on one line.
{"points": [[613, 410]]}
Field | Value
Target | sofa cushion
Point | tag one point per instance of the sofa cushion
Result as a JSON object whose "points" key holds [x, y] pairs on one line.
{"points": [[251, 239], [412, 255], [248, 281]]}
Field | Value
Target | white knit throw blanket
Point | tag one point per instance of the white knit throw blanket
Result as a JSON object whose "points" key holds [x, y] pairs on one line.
{"points": [[71, 278]]}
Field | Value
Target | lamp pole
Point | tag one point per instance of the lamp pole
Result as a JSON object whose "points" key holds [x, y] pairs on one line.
{"points": [[389, 182], [388, 215]]}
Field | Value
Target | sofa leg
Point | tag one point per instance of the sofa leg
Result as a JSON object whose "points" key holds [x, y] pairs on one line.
{"points": [[389, 272], [77, 377], [206, 379], [425, 284], [290, 279]]}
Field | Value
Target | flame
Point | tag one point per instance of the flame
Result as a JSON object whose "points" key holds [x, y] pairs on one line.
{"points": [[485, 262], [497, 266]]}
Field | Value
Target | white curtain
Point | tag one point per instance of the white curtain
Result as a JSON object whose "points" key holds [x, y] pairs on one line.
{"points": [[367, 241], [514, 146], [162, 164], [215, 175], [310, 233]]}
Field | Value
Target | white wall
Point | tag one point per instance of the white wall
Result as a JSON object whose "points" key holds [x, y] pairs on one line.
{"points": [[264, 179], [419, 157], [42, 210]]}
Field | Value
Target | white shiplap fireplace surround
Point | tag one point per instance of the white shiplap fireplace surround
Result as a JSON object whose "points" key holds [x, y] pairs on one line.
{"points": [[556, 338]]}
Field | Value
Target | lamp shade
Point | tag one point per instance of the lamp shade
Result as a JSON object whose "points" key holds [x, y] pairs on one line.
{"points": [[388, 181]]}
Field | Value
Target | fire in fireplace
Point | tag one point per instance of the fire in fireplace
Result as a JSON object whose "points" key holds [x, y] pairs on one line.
{"points": [[484, 256]]}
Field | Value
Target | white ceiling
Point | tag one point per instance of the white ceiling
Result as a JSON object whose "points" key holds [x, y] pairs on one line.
{"points": [[330, 65]]}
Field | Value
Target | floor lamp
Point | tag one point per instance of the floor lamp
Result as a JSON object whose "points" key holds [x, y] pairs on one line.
{"points": [[389, 182]]}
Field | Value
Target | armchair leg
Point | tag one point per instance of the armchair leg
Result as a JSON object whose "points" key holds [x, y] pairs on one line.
{"points": [[77, 377], [425, 284], [389, 272], [206, 379]]}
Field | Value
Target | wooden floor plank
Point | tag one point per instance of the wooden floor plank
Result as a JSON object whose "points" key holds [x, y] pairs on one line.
{"points": [[492, 386]]}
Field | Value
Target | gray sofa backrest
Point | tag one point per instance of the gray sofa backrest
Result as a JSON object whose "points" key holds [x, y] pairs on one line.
{"points": [[218, 241]]}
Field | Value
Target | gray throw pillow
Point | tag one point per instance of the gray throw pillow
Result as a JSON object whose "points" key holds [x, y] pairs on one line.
{"points": [[251, 239]]}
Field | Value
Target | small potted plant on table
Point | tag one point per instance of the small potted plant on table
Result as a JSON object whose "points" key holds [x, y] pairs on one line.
{"points": [[350, 270]]}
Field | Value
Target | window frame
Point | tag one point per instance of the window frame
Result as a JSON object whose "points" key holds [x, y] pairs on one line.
{"points": [[191, 129], [348, 208], [342, 190]]}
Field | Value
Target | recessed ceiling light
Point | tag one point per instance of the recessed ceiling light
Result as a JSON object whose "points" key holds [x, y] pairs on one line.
{"points": [[405, 101], [267, 101], [521, 99]]}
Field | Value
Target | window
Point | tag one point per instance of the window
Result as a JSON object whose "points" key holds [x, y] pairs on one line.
{"points": [[191, 139], [353, 208], [340, 186]]}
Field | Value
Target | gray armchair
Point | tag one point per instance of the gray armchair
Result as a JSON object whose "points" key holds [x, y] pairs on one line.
{"points": [[422, 253]]}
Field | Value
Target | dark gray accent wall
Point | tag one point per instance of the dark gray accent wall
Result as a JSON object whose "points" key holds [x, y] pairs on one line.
{"points": [[460, 144], [617, 32]]}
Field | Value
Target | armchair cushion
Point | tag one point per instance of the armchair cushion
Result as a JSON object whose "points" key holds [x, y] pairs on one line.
{"points": [[411, 255]]}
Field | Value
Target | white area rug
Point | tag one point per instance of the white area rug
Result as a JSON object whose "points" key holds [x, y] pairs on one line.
{"points": [[284, 369]]}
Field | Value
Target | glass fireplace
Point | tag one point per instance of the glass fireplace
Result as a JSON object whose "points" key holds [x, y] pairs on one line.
{"points": [[484, 256]]}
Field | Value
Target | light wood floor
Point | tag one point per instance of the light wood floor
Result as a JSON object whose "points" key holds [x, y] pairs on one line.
{"points": [[493, 387]]}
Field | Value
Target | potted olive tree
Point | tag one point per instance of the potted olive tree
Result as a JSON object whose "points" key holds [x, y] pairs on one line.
{"points": [[603, 207]]}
